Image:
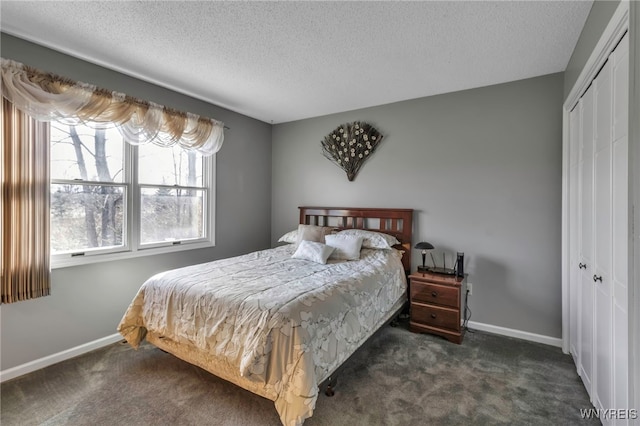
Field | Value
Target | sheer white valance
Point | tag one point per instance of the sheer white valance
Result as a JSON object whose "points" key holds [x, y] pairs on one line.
{"points": [[47, 97]]}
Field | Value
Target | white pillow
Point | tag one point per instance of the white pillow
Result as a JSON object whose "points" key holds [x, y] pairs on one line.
{"points": [[290, 237], [371, 239], [347, 247], [306, 232], [313, 251]]}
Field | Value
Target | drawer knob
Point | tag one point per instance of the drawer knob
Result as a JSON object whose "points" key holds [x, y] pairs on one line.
{"points": [[434, 294], [433, 316]]}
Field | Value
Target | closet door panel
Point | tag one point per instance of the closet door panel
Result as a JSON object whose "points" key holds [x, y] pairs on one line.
{"points": [[620, 59], [602, 240], [574, 228], [620, 228], [586, 175], [586, 229]]}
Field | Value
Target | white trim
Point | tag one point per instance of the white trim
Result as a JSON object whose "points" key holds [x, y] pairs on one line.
{"points": [[610, 37], [634, 186], [108, 257], [518, 334], [566, 303], [133, 248], [38, 364], [612, 34]]}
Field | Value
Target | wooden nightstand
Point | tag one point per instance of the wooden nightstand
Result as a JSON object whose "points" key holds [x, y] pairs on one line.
{"points": [[437, 305]]}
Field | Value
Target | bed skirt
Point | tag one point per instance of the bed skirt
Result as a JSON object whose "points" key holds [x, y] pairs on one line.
{"points": [[290, 414]]}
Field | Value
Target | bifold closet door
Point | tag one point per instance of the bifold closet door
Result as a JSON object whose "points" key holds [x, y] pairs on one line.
{"points": [[604, 250], [598, 207], [610, 236], [585, 238], [574, 232], [620, 228], [601, 270]]}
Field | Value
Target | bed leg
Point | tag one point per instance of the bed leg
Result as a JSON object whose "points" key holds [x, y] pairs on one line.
{"points": [[394, 322], [330, 386]]}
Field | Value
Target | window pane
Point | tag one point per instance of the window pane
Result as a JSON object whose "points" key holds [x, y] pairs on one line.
{"points": [[86, 217], [80, 152], [171, 214], [169, 166]]}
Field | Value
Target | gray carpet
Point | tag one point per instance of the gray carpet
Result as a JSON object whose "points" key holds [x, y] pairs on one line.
{"points": [[397, 378]]}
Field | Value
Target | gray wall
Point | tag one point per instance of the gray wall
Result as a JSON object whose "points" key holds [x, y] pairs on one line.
{"points": [[599, 16], [482, 169], [87, 302]]}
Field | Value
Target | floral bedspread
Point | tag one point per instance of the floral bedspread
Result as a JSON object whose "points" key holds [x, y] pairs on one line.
{"points": [[280, 322]]}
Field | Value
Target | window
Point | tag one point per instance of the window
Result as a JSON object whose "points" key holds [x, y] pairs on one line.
{"points": [[172, 195], [111, 199], [107, 199], [89, 190]]}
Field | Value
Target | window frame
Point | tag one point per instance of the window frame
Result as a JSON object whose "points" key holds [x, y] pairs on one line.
{"points": [[132, 248]]}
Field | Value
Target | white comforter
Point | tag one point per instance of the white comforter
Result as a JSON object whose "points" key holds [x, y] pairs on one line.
{"points": [[281, 322]]}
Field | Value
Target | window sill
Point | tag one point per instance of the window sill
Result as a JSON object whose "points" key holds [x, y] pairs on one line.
{"points": [[70, 261]]}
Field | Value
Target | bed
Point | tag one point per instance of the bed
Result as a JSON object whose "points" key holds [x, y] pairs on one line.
{"points": [[276, 324]]}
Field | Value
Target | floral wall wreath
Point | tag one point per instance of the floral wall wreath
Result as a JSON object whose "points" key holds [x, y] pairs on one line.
{"points": [[350, 145]]}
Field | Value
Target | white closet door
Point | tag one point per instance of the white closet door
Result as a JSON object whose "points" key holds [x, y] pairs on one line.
{"points": [[586, 224], [601, 277], [574, 230], [599, 235], [620, 234]]}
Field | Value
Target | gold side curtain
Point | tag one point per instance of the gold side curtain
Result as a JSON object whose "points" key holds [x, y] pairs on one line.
{"points": [[24, 227], [46, 97]]}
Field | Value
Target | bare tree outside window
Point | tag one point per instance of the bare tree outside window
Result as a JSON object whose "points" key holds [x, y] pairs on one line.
{"points": [[89, 190], [172, 196]]}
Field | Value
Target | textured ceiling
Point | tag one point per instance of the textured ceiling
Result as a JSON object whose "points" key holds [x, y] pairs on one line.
{"points": [[284, 61]]}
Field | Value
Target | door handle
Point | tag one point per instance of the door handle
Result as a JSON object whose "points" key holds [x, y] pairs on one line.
{"points": [[597, 278]]}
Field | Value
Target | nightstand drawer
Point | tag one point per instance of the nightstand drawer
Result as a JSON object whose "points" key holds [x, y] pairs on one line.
{"points": [[434, 293], [435, 316]]}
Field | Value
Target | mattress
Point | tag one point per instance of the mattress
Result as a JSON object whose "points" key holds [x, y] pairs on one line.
{"points": [[274, 325]]}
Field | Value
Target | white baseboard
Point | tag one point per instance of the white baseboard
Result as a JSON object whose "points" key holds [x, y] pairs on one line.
{"points": [[56, 358], [525, 335], [105, 341]]}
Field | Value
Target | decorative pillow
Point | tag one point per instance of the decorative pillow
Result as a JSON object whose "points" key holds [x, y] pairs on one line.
{"points": [[308, 232], [347, 247], [290, 237], [372, 239], [313, 251], [312, 233]]}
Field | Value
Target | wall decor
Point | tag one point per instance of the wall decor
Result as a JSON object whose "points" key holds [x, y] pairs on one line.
{"points": [[350, 145]]}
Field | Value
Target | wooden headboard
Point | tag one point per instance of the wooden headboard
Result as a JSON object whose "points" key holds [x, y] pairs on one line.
{"points": [[396, 222]]}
